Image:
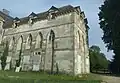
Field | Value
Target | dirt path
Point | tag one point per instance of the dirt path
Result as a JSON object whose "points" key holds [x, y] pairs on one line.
{"points": [[110, 79]]}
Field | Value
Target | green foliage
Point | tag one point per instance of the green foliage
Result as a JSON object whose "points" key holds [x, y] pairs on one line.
{"points": [[4, 56], [109, 17], [97, 59], [95, 48]]}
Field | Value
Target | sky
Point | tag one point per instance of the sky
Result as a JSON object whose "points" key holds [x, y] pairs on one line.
{"points": [[22, 8]]}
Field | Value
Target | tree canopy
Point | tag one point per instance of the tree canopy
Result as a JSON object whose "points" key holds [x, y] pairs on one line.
{"points": [[97, 59], [109, 17]]}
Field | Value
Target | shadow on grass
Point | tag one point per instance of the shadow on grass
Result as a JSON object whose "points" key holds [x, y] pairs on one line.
{"points": [[107, 74]]}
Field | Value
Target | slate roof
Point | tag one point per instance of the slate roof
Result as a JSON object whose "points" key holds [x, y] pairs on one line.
{"points": [[40, 16], [7, 19], [4, 16]]}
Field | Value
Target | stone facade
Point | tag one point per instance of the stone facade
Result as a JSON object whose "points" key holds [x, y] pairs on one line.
{"points": [[55, 39]]}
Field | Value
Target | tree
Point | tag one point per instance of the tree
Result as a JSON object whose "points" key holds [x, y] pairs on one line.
{"points": [[97, 59], [95, 48], [93, 60], [109, 17]]}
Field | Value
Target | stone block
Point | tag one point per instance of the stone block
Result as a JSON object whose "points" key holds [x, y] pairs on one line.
{"points": [[17, 69], [7, 67], [36, 67]]}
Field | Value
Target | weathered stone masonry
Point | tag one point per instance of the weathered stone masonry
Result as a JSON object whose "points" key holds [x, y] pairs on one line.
{"points": [[34, 36]]}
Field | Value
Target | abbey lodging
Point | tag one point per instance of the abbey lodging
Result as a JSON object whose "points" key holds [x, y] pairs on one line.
{"points": [[56, 39]]}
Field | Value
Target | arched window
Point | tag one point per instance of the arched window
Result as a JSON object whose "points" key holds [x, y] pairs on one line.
{"points": [[52, 36], [82, 43], [29, 41], [11, 44], [50, 50], [50, 39], [39, 40], [78, 39], [19, 43]]}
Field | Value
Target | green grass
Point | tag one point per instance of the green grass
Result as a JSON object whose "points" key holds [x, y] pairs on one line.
{"points": [[38, 77]]}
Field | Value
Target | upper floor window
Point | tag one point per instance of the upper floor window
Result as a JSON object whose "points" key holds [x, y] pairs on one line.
{"points": [[16, 22], [19, 43], [52, 36], [29, 42], [52, 12], [78, 39], [32, 16], [11, 44], [50, 39], [39, 41]]}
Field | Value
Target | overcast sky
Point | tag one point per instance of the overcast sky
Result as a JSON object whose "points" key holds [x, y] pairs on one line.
{"points": [[22, 8]]}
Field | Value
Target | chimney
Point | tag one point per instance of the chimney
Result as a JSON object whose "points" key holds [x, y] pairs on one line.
{"points": [[5, 11]]}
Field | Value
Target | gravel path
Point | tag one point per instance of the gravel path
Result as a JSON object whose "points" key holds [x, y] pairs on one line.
{"points": [[110, 79]]}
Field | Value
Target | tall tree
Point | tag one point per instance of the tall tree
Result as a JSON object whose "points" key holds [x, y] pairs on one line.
{"points": [[97, 59], [95, 48], [109, 17]]}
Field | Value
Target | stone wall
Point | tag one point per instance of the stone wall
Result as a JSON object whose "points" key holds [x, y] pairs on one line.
{"points": [[63, 46], [80, 45], [70, 52]]}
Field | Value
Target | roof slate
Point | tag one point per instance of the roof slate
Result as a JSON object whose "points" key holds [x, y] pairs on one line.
{"points": [[40, 16]]}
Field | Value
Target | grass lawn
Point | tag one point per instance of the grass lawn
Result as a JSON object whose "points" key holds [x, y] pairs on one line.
{"points": [[38, 77]]}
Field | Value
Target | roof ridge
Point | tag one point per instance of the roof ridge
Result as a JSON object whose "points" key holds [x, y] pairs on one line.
{"points": [[47, 11], [6, 15], [43, 15]]}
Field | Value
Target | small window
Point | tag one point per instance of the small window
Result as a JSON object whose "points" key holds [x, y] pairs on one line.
{"points": [[39, 53], [51, 16], [35, 53], [15, 25], [16, 22], [30, 22], [32, 16]]}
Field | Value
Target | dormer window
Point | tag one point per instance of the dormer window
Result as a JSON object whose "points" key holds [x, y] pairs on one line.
{"points": [[52, 12], [51, 16], [32, 16], [16, 22]]}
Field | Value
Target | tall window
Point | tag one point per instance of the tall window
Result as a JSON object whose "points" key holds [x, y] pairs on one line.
{"points": [[51, 40], [29, 41], [11, 44], [82, 44], [39, 40], [51, 36], [78, 39], [19, 43]]}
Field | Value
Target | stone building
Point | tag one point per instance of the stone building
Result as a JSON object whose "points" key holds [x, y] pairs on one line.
{"points": [[56, 39]]}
